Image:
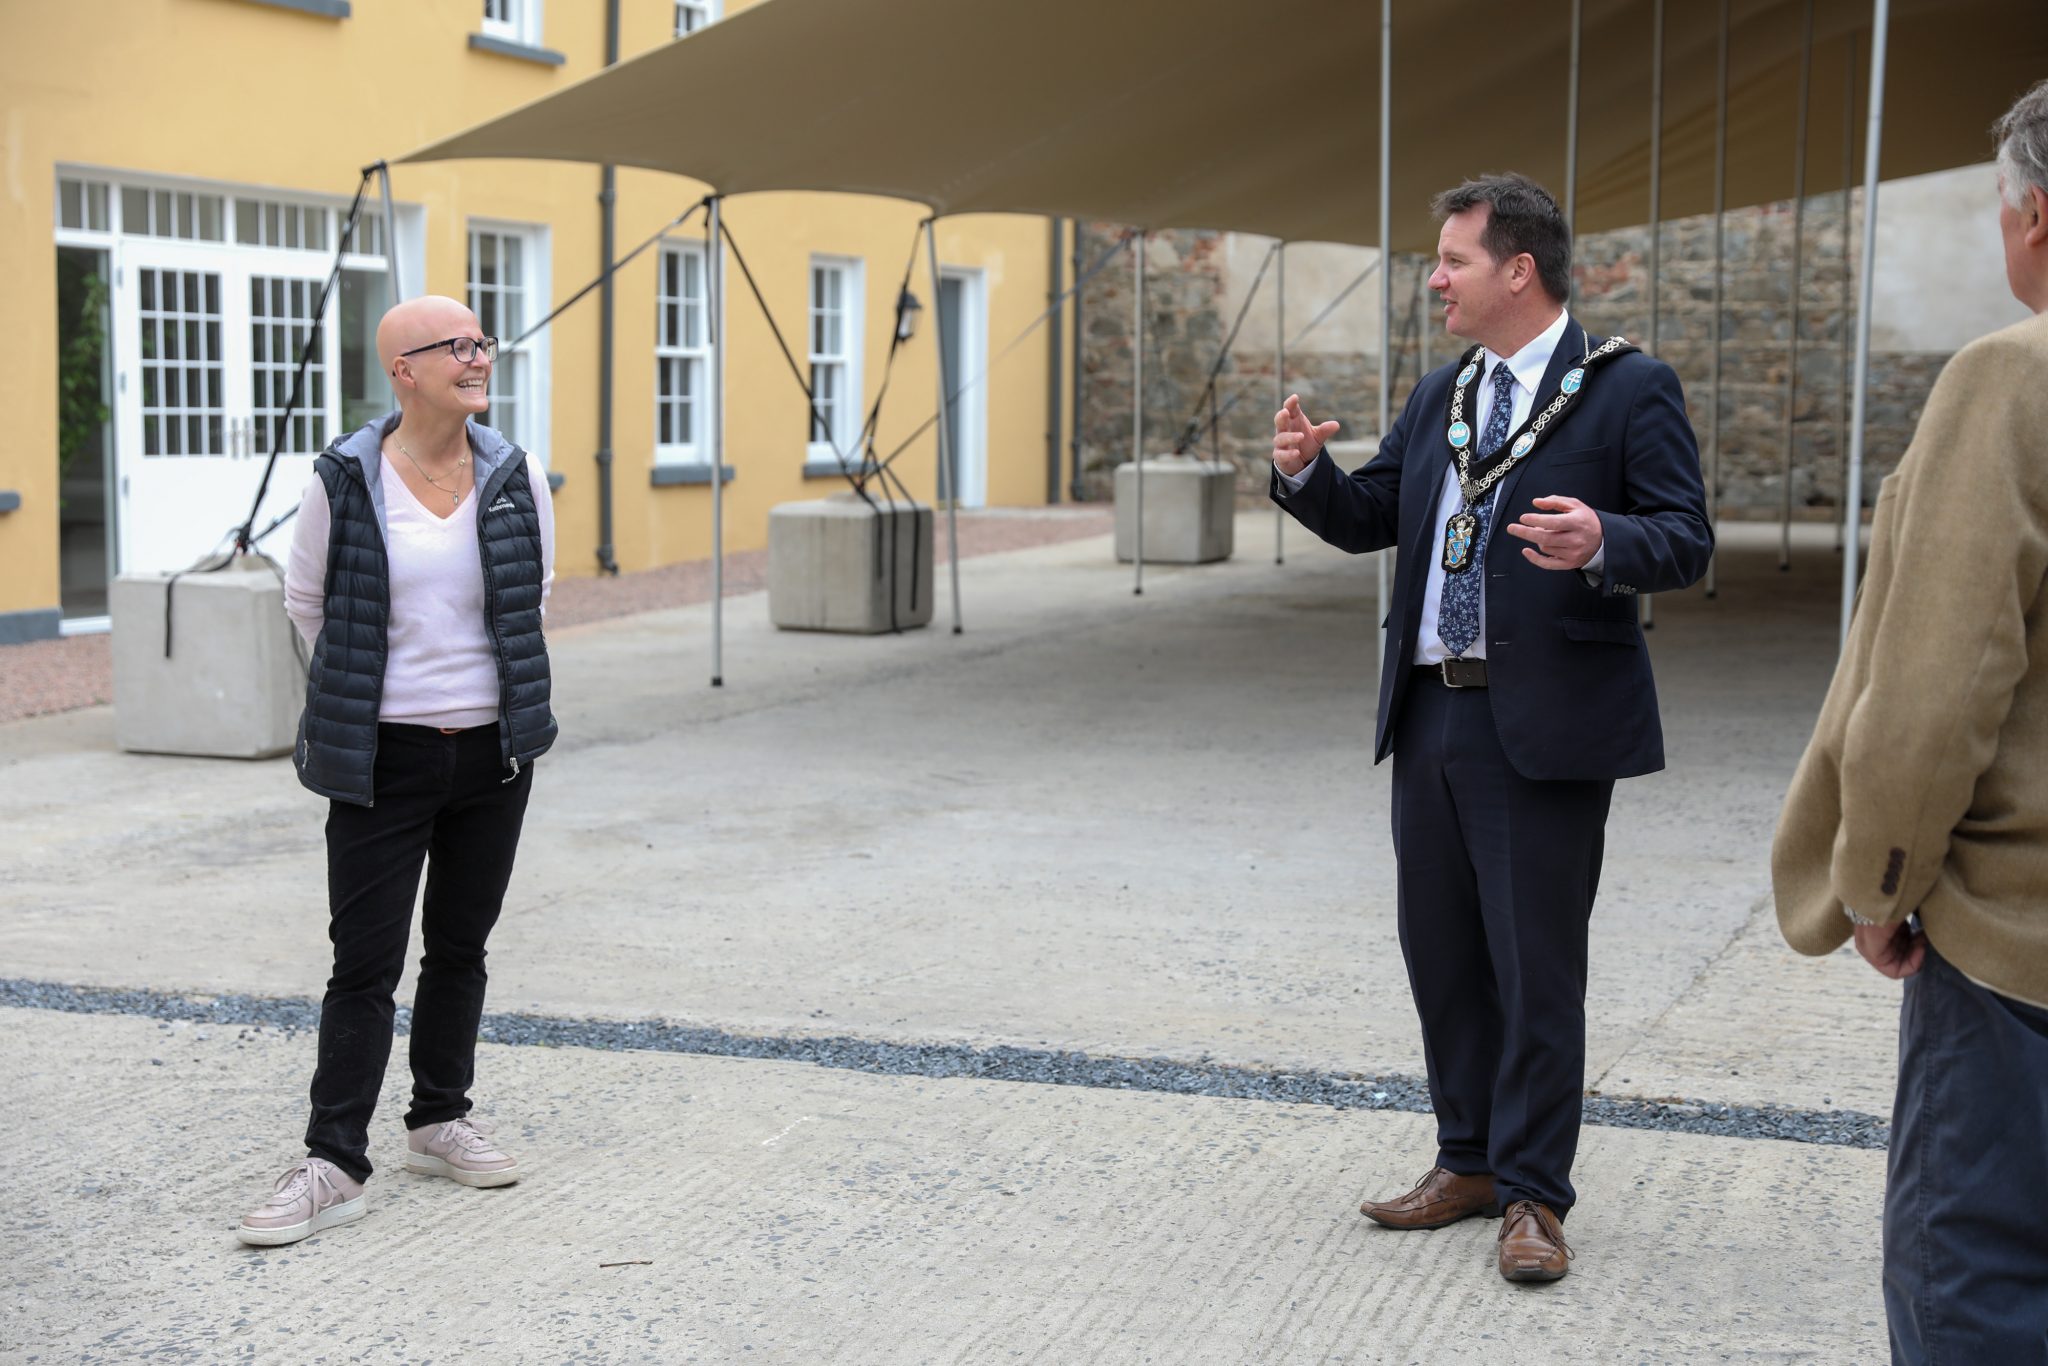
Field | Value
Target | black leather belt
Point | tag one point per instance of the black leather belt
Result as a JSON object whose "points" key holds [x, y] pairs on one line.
{"points": [[1458, 673]]}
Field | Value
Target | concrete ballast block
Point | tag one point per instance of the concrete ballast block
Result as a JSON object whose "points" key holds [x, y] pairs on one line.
{"points": [[833, 563], [233, 685], [1188, 510]]}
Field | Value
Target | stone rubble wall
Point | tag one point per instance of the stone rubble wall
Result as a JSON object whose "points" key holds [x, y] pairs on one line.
{"points": [[1186, 324]]}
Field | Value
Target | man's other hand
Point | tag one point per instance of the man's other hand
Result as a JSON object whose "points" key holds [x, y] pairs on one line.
{"points": [[1566, 533], [1296, 440], [1894, 950]]}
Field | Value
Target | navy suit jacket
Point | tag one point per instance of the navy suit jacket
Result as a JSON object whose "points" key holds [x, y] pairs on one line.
{"points": [[1568, 672]]}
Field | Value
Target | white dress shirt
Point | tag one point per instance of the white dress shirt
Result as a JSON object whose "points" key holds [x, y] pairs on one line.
{"points": [[1524, 371]]}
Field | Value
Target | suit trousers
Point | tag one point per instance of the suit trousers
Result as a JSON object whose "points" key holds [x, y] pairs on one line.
{"points": [[1966, 1190], [441, 801], [1497, 875]]}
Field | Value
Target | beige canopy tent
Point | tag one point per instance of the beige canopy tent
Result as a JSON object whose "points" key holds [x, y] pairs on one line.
{"points": [[1305, 120]]}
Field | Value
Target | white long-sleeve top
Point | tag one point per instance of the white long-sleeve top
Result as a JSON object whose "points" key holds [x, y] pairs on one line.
{"points": [[439, 668]]}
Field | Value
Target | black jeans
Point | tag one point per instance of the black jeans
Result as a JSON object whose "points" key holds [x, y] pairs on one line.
{"points": [[441, 800]]}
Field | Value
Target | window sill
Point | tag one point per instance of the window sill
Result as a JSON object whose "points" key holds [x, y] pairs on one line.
{"points": [[556, 479], [9, 500], [830, 468], [677, 476], [540, 56], [325, 9]]}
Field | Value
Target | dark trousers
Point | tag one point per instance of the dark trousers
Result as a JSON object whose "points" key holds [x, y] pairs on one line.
{"points": [[441, 800], [1966, 1197], [1497, 877]]}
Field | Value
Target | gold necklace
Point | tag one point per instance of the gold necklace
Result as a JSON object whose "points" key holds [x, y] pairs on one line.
{"points": [[455, 473]]}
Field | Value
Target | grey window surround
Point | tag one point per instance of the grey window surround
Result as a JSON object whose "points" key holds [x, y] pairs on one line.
{"points": [[831, 469], [9, 500], [325, 9], [556, 479], [38, 623], [541, 56], [678, 476]]}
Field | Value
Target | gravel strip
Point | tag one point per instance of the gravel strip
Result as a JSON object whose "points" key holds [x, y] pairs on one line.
{"points": [[1837, 1128]]}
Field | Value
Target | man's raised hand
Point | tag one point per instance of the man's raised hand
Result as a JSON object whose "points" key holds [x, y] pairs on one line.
{"points": [[1295, 439]]}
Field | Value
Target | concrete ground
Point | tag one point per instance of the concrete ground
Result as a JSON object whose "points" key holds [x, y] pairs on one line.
{"points": [[1127, 827]]}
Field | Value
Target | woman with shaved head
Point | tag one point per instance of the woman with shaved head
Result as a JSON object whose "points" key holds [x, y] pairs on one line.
{"points": [[419, 571]]}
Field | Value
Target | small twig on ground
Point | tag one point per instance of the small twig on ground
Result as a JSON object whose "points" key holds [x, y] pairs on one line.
{"points": [[602, 1265]]}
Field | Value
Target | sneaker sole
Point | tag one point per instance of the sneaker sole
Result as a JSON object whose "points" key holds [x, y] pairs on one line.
{"points": [[426, 1164], [347, 1212]]}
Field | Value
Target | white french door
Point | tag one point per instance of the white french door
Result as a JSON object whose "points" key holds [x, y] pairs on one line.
{"points": [[206, 346]]}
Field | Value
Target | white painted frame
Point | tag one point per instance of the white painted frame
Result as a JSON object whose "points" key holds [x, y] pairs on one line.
{"points": [[847, 412], [677, 348], [142, 517], [531, 362], [970, 401], [706, 12], [513, 21]]}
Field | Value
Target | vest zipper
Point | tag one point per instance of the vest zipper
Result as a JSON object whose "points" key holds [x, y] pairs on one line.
{"points": [[496, 485]]}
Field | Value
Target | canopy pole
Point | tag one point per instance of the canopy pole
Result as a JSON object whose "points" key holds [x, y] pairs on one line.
{"points": [[1386, 272], [1848, 300], [1423, 273], [1280, 381], [1720, 235], [390, 236], [1571, 126], [946, 472], [714, 286], [1138, 413], [1649, 607], [1852, 511], [1798, 256]]}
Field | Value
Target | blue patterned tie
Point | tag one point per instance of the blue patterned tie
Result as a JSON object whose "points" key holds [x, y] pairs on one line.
{"points": [[1457, 613]]}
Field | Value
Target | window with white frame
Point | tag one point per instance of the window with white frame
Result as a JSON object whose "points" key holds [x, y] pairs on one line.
{"points": [[82, 205], [260, 223], [682, 358], [191, 215], [692, 15], [835, 331], [507, 290], [513, 21]]}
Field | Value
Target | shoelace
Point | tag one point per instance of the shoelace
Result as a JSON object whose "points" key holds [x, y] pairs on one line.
{"points": [[1528, 1208], [308, 1176], [471, 1135]]}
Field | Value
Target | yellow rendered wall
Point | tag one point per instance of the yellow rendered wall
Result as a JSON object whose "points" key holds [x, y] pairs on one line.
{"points": [[252, 95]]}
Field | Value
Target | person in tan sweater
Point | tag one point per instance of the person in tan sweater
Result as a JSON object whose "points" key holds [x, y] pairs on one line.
{"points": [[1917, 823]]}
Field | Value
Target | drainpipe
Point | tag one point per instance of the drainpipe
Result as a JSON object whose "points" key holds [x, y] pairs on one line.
{"points": [[1074, 490], [608, 208], [1054, 356]]}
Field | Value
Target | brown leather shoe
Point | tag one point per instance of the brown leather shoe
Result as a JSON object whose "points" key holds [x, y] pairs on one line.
{"points": [[1531, 1244], [1442, 1197]]}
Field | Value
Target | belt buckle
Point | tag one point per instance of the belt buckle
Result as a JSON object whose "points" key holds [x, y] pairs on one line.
{"points": [[1444, 667]]}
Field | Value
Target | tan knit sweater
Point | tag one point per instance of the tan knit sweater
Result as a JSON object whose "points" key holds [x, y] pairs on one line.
{"points": [[1925, 787]]}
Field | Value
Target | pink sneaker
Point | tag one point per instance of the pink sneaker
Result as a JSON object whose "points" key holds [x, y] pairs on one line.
{"points": [[312, 1194], [461, 1151]]}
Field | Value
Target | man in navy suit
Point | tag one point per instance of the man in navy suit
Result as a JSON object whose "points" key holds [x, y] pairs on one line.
{"points": [[1516, 686]]}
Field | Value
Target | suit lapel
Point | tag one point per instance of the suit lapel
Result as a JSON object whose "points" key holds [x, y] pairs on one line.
{"points": [[1434, 451]]}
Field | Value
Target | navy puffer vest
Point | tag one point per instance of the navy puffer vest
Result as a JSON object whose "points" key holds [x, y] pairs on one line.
{"points": [[336, 754]]}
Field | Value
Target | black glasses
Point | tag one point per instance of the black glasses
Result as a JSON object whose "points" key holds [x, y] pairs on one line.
{"points": [[464, 349]]}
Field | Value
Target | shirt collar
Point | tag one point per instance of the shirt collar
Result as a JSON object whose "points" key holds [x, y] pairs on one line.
{"points": [[1528, 364]]}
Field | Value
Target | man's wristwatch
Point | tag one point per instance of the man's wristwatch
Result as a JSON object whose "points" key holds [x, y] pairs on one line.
{"points": [[1856, 919]]}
